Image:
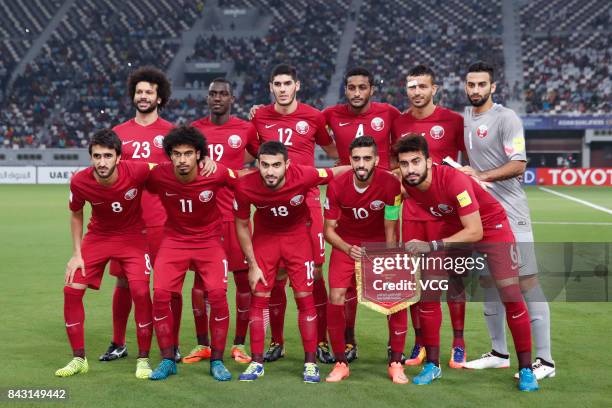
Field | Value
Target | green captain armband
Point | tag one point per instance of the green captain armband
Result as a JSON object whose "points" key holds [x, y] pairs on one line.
{"points": [[392, 212]]}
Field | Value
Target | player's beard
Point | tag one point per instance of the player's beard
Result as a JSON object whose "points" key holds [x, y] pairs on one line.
{"points": [[424, 101], [289, 102], [110, 172], [418, 181], [481, 101], [278, 181], [366, 176], [150, 109], [184, 170], [360, 104]]}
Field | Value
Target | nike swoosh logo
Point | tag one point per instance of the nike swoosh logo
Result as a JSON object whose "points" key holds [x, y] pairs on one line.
{"points": [[147, 272], [519, 315], [224, 280], [400, 333], [492, 314], [170, 194], [129, 141], [161, 318], [269, 126], [310, 283], [144, 325], [221, 319], [242, 311], [265, 206], [73, 324], [425, 311], [344, 124], [404, 134], [310, 318], [101, 202]]}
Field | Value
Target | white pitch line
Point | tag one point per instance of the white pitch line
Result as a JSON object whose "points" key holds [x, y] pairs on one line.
{"points": [[578, 200], [572, 223]]}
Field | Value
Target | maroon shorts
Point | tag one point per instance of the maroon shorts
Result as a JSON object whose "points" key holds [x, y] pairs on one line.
{"points": [[316, 234], [272, 250], [209, 262], [129, 254], [153, 236], [341, 273]]}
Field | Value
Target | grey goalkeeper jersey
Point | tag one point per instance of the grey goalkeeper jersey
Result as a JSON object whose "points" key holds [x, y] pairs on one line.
{"points": [[492, 139]]}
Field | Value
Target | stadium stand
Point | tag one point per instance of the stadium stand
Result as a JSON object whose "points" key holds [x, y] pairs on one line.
{"points": [[305, 33], [393, 36], [77, 83], [567, 56]]}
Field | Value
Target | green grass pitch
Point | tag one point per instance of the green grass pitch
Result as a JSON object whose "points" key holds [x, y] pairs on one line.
{"points": [[35, 245]]}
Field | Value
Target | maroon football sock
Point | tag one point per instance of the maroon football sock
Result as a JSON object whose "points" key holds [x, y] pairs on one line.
{"points": [[278, 305], [257, 327], [163, 322], [200, 315], [350, 311], [307, 322], [122, 306], [336, 323], [219, 322], [416, 324], [319, 294], [176, 305], [143, 311], [243, 300], [398, 326], [74, 317]]}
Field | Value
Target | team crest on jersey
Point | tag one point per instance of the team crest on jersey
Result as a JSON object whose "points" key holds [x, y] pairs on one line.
{"points": [[377, 205], [482, 131], [297, 200], [234, 141], [206, 196], [436, 132], [445, 208], [158, 141], [302, 127], [377, 124], [131, 194]]}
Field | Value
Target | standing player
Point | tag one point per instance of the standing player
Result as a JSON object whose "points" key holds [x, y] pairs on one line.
{"points": [[299, 127], [114, 189], [281, 236], [361, 206], [231, 142], [471, 215], [496, 148], [443, 130], [191, 240], [356, 118], [142, 138]]}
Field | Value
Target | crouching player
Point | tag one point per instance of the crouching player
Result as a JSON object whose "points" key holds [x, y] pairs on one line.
{"points": [[281, 234], [115, 232], [362, 206], [473, 216], [191, 240]]}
